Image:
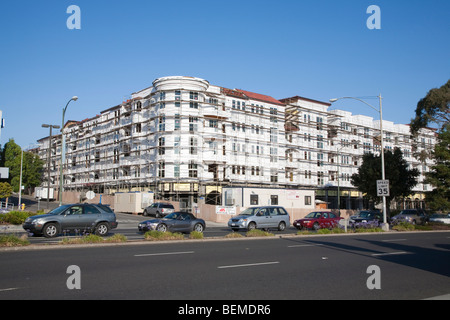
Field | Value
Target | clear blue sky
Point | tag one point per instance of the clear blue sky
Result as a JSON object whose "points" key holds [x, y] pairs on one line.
{"points": [[317, 49]]}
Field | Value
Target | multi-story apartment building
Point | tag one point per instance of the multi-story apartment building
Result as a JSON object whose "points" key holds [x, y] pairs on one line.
{"points": [[184, 139]]}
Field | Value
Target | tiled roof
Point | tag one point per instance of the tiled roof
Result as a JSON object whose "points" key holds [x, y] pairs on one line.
{"points": [[243, 94]]}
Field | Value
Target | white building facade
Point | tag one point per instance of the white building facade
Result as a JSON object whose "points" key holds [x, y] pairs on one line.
{"points": [[185, 139]]}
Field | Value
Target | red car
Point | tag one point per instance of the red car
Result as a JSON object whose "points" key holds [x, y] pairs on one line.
{"points": [[318, 219]]}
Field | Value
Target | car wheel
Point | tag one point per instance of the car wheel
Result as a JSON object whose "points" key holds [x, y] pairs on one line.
{"points": [[157, 214], [281, 226], [145, 213], [198, 227], [161, 228], [251, 226], [316, 226], [102, 229], [50, 230]]}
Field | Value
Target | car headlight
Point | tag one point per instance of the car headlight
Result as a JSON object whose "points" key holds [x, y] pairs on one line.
{"points": [[38, 221]]}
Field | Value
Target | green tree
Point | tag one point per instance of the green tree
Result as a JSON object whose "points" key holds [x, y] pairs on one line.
{"points": [[32, 166], [12, 154], [433, 108], [439, 175], [401, 179], [32, 171], [5, 190]]}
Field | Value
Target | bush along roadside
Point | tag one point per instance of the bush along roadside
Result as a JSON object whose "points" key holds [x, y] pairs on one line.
{"points": [[15, 217]]}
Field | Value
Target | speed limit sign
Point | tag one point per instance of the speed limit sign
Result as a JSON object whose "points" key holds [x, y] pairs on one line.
{"points": [[383, 188]]}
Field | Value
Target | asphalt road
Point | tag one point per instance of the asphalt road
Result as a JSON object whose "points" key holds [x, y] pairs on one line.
{"points": [[410, 266]]}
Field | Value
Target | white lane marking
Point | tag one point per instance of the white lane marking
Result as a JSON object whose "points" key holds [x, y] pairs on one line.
{"points": [[248, 265], [8, 289], [162, 254], [443, 297], [305, 245], [388, 253]]}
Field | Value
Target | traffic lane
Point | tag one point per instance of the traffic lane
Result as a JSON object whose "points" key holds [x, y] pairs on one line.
{"points": [[325, 268]]}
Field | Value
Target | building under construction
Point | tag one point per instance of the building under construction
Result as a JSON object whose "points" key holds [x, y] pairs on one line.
{"points": [[185, 139]]}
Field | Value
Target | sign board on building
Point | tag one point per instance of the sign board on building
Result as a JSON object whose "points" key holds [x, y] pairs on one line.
{"points": [[383, 188], [226, 210]]}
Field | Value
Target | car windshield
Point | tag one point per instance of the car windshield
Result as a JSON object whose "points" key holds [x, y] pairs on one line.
{"points": [[59, 209], [173, 216], [313, 215], [365, 214], [249, 211]]}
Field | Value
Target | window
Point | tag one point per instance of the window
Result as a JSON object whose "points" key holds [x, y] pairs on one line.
{"points": [[177, 125], [319, 124], [193, 145], [273, 154], [193, 95], [320, 141], [176, 145], [193, 126], [162, 123], [273, 135], [161, 145], [307, 200], [161, 169], [192, 170], [253, 199], [213, 123], [274, 200], [273, 175], [176, 170]]}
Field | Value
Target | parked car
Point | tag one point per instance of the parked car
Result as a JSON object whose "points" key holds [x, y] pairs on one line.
{"points": [[159, 209], [413, 216], [366, 216], [442, 218], [317, 220], [264, 217], [92, 218], [174, 222]]}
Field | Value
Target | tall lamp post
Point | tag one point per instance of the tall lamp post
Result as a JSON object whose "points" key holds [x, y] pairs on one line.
{"points": [[48, 160], [74, 98], [385, 225]]}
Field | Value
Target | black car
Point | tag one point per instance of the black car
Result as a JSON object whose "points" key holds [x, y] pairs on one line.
{"points": [[174, 222], [366, 216]]}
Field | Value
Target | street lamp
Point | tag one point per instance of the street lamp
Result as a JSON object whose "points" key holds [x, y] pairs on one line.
{"points": [[74, 98], [49, 155], [385, 225]]}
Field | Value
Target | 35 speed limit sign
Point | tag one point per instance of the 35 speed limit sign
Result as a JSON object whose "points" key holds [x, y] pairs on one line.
{"points": [[383, 188]]}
